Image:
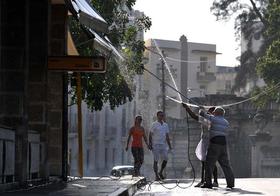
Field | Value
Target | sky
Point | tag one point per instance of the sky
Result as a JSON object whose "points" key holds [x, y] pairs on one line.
{"points": [[173, 18]]}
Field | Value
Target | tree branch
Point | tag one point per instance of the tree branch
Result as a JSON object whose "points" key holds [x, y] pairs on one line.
{"points": [[265, 23]]}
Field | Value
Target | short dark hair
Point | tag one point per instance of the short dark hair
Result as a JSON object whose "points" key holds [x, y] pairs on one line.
{"points": [[159, 112], [137, 116]]}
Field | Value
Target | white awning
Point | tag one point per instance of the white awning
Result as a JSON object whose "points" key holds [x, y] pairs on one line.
{"points": [[87, 15], [104, 44], [94, 23]]}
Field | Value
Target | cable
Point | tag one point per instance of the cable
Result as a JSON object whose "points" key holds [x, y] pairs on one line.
{"points": [[179, 60], [231, 104], [189, 159], [169, 85], [167, 67], [186, 61], [205, 106], [197, 105]]}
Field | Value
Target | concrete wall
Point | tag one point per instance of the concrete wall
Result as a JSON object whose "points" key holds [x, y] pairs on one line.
{"points": [[104, 138]]}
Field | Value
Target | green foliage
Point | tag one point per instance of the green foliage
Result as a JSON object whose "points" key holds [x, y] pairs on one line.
{"points": [[268, 66], [262, 17], [115, 85], [262, 99]]}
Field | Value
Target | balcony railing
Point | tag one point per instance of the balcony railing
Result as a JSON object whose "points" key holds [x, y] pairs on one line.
{"points": [[205, 76]]}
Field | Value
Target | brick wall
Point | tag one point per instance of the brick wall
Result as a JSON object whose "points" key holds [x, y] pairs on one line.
{"points": [[23, 74]]}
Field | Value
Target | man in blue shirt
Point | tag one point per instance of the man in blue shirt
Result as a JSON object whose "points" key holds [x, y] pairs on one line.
{"points": [[217, 149]]}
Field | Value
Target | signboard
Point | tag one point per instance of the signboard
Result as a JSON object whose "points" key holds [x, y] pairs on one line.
{"points": [[95, 64]]}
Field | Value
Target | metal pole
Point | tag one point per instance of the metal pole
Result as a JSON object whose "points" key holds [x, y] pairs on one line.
{"points": [[163, 82], [80, 128]]}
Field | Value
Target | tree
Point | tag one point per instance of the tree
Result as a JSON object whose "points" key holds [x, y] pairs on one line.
{"points": [[251, 20], [115, 85], [266, 62], [268, 66]]}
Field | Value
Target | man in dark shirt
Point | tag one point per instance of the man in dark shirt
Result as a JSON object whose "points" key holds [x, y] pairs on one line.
{"points": [[217, 149]]}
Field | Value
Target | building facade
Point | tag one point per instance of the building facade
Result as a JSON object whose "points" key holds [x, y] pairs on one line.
{"points": [[225, 79], [192, 66]]}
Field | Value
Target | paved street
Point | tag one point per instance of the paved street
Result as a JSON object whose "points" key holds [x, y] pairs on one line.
{"points": [[245, 186], [102, 187]]}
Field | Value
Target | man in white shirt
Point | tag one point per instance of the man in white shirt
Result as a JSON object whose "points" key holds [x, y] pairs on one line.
{"points": [[158, 141]]}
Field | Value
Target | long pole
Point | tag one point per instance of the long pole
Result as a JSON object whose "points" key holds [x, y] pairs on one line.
{"points": [[80, 128], [163, 83]]}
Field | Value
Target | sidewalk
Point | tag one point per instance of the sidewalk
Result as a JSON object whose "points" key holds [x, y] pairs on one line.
{"points": [[87, 186]]}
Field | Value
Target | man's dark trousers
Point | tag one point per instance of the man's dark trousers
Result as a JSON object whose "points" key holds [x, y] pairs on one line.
{"points": [[218, 152]]}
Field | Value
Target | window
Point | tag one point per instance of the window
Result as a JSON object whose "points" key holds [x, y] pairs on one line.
{"points": [[203, 64]]}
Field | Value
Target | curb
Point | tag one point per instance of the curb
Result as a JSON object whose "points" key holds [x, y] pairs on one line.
{"points": [[130, 190]]}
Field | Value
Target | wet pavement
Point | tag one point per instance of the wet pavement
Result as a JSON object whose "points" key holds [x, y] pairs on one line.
{"points": [[128, 186], [243, 186]]}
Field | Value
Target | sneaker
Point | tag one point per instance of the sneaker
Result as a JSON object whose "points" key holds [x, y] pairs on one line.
{"points": [[215, 184], [209, 186], [157, 178], [199, 184], [230, 187]]}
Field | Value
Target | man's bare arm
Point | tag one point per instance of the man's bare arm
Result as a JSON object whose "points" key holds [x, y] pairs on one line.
{"points": [[151, 140], [191, 113], [168, 141]]}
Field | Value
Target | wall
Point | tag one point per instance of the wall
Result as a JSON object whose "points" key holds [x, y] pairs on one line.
{"points": [[57, 46], [23, 75]]}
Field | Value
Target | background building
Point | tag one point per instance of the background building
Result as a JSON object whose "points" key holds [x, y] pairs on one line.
{"points": [[193, 66], [225, 79]]}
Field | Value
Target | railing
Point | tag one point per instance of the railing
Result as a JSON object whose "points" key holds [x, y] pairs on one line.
{"points": [[7, 155], [205, 76]]}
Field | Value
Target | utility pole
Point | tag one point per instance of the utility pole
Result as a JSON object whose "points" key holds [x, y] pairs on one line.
{"points": [[163, 82]]}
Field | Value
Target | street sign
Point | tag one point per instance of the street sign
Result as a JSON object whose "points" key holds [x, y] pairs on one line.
{"points": [[95, 64]]}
